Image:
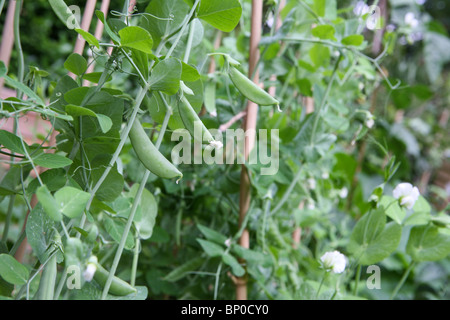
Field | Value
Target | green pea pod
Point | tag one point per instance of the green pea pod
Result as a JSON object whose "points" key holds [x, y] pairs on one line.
{"points": [[250, 89], [64, 13], [118, 286], [48, 280], [182, 270], [149, 155], [190, 120]]}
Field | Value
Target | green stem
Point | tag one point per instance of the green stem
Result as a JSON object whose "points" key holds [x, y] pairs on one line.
{"points": [[402, 280], [137, 248], [288, 192], [321, 284], [180, 34], [8, 217], [357, 277], [324, 99], [61, 284], [20, 58], [189, 44]]}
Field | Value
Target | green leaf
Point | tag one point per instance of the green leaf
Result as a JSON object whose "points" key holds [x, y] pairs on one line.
{"points": [[94, 77], [89, 38], [353, 40], [174, 9], [52, 161], [149, 211], [326, 8], [76, 111], [189, 73], [3, 69], [49, 203], [392, 209], [136, 38], [76, 64], [417, 218], [320, 55], [140, 59], [72, 201], [372, 240], [32, 96], [324, 32], [101, 16], [182, 270], [252, 256], [236, 267], [212, 235], [13, 271], [39, 232], [112, 187], [221, 14], [211, 249], [105, 122], [427, 243], [12, 142], [166, 76], [64, 13], [115, 229]]}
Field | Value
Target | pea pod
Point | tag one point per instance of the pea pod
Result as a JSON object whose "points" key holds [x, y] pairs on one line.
{"points": [[250, 89], [149, 155], [48, 280], [64, 13], [182, 270], [118, 286], [190, 120]]}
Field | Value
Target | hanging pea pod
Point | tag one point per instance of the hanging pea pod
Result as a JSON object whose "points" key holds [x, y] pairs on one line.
{"points": [[64, 13], [118, 286], [48, 279], [191, 120], [149, 155], [249, 89]]}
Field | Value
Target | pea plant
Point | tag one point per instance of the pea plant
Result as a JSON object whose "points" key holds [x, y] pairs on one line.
{"points": [[111, 204]]}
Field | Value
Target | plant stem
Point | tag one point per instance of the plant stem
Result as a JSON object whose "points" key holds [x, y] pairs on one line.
{"points": [[402, 280], [8, 217], [324, 99], [357, 277], [137, 248], [321, 284], [21, 62]]}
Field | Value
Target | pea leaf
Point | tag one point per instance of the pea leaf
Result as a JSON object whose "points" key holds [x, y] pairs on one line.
{"points": [[372, 240], [101, 16], [212, 235], [49, 203], [353, 40], [189, 73], [76, 64], [324, 32], [115, 229], [51, 160], [72, 201], [236, 267], [222, 15], [12, 142], [13, 271], [95, 77], [136, 38], [166, 76], [149, 211], [427, 243], [211, 249], [181, 271], [88, 37], [3, 69], [392, 209]]}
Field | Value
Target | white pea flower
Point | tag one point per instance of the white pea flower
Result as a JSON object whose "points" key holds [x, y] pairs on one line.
{"points": [[361, 8], [88, 274], [228, 242], [325, 175], [216, 144], [311, 183], [406, 194], [369, 120], [311, 205], [334, 261], [343, 193], [411, 20]]}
